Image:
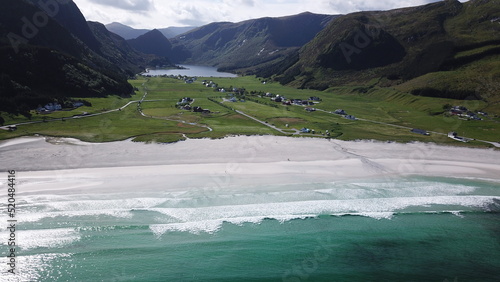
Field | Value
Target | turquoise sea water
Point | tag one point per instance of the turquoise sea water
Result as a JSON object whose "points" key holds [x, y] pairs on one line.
{"points": [[399, 229]]}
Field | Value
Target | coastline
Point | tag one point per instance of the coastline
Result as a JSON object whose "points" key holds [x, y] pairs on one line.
{"points": [[57, 164]]}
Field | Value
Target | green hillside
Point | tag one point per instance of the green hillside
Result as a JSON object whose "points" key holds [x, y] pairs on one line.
{"points": [[64, 57], [444, 49], [246, 45], [152, 42], [380, 113], [117, 51]]}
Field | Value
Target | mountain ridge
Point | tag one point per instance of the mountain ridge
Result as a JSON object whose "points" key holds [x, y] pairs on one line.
{"points": [[71, 18], [432, 50], [399, 45], [236, 46], [118, 51], [152, 42], [128, 32], [43, 60]]}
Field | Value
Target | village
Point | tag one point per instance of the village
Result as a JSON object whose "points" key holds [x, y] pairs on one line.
{"points": [[464, 113], [288, 120], [56, 106]]}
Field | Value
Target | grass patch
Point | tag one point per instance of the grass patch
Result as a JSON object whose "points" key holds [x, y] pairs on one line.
{"points": [[171, 124]]}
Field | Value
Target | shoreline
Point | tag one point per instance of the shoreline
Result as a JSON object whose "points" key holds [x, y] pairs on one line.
{"points": [[64, 164]]}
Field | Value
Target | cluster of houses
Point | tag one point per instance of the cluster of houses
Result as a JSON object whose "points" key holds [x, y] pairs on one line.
{"points": [[52, 107], [201, 110], [453, 135], [297, 102], [233, 90], [463, 112], [195, 109], [210, 84], [184, 101], [185, 104], [343, 113], [234, 100], [186, 78]]}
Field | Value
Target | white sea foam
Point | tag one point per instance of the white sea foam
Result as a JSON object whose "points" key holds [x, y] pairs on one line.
{"points": [[60, 206], [457, 213], [47, 238], [411, 189], [35, 217], [198, 211], [195, 227], [119, 204], [212, 226], [44, 238], [377, 215], [210, 219]]}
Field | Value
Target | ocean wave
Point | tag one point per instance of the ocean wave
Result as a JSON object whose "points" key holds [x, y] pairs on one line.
{"points": [[46, 238], [65, 207], [126, 204], [210, 219], [212, 226]]}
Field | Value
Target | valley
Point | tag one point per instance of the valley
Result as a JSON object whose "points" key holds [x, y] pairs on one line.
{"points": [[307, 140], [410, 74], [243, 106]]}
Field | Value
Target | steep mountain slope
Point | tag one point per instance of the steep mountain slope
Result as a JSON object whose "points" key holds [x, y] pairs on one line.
{"points": [[68, 15], [153, 42], [233, 46], [40, 61], [117, 50], [399, 45], [95, 36]]}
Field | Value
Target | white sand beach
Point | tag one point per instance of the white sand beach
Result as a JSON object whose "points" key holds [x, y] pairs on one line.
{"points": [[57, 164]]}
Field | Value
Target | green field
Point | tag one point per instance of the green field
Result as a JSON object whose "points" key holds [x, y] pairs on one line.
{"points": [[379, 112]]}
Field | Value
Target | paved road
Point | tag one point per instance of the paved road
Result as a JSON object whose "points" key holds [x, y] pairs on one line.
{"points": [[262, 122], [143, 99], [496, 144], [139, 102], [5, 127]]}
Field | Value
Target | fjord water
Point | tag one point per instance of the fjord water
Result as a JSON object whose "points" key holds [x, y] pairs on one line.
{"points": [[399, 229], [191, 70]]}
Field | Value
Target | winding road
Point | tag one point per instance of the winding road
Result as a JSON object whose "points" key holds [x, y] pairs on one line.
{"points": [[139, 102], [496, 144], [143, 99]]}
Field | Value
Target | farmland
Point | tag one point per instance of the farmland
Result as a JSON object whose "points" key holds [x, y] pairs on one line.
{"points": [[153, 114]]}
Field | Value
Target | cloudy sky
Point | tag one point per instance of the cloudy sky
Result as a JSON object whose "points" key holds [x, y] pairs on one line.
{"points": [[164, 13]]}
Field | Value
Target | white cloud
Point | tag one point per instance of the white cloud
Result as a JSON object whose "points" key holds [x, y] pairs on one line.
{"points": [[130, 5], [342, 6], [161, 13]]}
